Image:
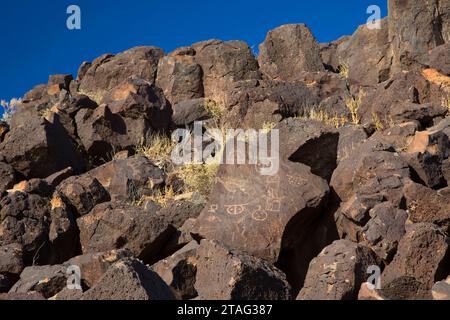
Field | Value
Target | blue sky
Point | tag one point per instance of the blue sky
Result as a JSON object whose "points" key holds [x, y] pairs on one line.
{"points": [[35, 41]]}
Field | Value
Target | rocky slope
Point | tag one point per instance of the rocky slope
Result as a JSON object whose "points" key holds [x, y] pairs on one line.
{"points": [[363, 183]]}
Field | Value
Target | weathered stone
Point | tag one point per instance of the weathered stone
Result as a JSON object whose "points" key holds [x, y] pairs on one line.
{"points": [[441, 290], [338, 272], [233, 275], [118, 225], [7, 177], [63, 233], [4, 129], [25, 220], [129, 280], [188, 111], [329, 55], [179, 271], [427, 205], [422, 259], [58, 82], [11, 261], [84, 67], [402, 96], [55, 179], [30, 296], [426, 154], [40, 148], [180, 76], [368, 292], [137, 98], [311, 143], [70, 104], [108, 71], [224, 62], [423, 113], [39, 187], [268, 102], [46, 280], [288, 50], [372, 169], [178, 212], [415, 28], [439, 59], [103, 133], [350, 139], [274, 211], [83, 193], [366, 55], [129, 179], [94, 265], [385, 230], [400, 135]]}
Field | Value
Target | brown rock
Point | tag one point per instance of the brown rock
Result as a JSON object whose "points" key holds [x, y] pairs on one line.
{"points": [[338, 272], [289, 50], [25, 220], [416, 27], [350, 139], [439, 59], [233, 275], [137, 98], [39, 148], [129, 279], [46, 280], [30, 296], [117, 225], [441, 290], [180, 76], [224, 62], [373, 169], [83, 193], [427, 205], [384, 230], [367, 55], [58, 82], [94, 265], [422, 258], [179, 271], [262, 102], [274, 211], [108, 71], [367, 292], [188, 111], [7, 177], [129, 179], [4, 129], [55, 179], [427, 153]]}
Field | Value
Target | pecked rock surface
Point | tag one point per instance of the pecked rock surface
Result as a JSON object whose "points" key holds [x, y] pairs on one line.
{"points": [[93, 207]]}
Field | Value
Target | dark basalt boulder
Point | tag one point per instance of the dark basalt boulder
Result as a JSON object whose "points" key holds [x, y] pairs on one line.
{"points": [[289, 50]]}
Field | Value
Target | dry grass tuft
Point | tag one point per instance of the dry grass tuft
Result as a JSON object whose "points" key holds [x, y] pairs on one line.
{"points": [[215, 109], [198, 177], [94, 96], [158, 149], [353, 104], [323, 116], [446, 103], [344, 70], [377, 122]]}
